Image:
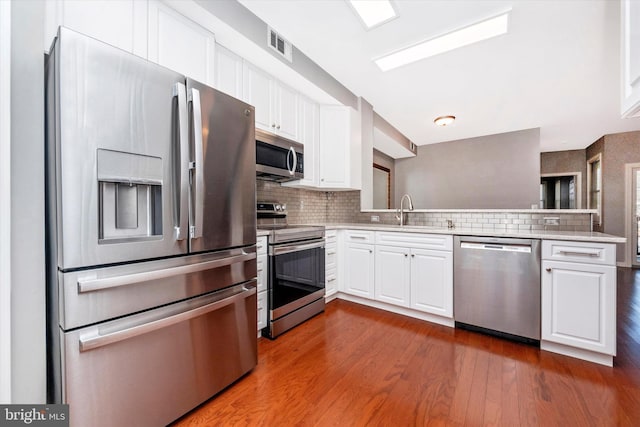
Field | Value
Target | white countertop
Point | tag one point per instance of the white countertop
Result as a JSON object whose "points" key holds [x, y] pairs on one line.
{"points": [[582, 236]]}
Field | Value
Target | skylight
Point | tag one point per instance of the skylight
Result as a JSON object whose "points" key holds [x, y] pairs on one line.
{"points": [[465, 36], [373, 12]]}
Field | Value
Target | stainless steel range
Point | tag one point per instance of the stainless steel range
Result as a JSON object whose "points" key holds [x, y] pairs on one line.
{"points": [[296, 269]]}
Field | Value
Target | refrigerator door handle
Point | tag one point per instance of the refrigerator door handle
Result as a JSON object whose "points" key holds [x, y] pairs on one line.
{"points": [[97, 340], [198, 164], [182, 164], [91, 285]]}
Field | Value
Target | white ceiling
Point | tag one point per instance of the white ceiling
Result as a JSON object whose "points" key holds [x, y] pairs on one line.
{"points": [[558, 67]]}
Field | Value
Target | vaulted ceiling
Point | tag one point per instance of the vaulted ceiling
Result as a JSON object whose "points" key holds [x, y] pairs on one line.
{"points": [[557, 68]]}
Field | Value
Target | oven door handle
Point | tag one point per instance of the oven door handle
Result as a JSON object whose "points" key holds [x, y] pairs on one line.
{"points": [[281, 250]]}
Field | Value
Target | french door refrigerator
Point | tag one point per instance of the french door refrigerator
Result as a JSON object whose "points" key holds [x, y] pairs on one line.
{"points": [[151, 234]]}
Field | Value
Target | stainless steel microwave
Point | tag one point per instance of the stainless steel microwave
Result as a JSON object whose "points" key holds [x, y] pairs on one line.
{"points": [[277, 158]]}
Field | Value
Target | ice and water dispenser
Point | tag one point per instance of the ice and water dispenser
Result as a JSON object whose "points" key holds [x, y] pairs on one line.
{"points": [[130, 196]]}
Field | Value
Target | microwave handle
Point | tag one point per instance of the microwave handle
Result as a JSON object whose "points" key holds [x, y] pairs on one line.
{"points": [[195, 230], [295, 161], [182, 199]]}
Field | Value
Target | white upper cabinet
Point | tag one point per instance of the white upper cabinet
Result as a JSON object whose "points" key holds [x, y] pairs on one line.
{"points": [[257, 90], [308, 133], [121, 23], [180, 44], [285, 111], [630, 15], [276, 104], [228, 72], [340, 163]]}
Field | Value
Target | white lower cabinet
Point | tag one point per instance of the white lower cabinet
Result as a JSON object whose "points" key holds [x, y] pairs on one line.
{"points": [[393, 277], [409, 276], [432, 281], [263, 277], [331, 264], [358, 268], [358, 264], [410, 273], [579, 301]]}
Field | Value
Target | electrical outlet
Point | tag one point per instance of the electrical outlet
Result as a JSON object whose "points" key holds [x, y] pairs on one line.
{"points": [[301, 204], [375, 218], [551, 220]]}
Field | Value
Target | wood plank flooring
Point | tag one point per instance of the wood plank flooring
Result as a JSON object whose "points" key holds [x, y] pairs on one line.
{"points": [[356, 366]]}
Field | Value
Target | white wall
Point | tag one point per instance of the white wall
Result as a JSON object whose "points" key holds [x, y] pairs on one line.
{"points": [[28, 342], [5, 202]]}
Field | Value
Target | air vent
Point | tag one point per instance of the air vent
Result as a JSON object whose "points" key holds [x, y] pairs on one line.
{"points": [[279, 44]]}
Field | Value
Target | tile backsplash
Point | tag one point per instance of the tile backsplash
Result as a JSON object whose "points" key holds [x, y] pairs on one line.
{"points": [[330, 207]]}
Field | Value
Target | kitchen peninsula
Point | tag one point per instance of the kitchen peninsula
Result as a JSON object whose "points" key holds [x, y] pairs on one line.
{"points": [[409, 270]]}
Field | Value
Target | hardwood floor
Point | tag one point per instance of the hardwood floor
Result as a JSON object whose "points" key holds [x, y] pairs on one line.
{"points": [[356, 366]]}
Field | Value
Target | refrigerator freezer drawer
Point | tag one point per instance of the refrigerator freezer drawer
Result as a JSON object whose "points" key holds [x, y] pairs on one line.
{"points": [[92, 296], [150, 368]]}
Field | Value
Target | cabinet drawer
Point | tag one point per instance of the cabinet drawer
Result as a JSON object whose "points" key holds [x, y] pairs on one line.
{"points": [[331, 277], [261, 245], [360, 236], [262, 266], [262, 310], [330, 256], [442, 242], [331, 234], [583, 252]]}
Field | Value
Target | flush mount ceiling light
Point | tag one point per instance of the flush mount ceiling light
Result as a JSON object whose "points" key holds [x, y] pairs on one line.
{"points": [[444, 120], [373, 12], [465, 36]]}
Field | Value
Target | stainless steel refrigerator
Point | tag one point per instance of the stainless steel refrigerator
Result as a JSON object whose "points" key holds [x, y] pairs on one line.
{"points": [[151, 236]]}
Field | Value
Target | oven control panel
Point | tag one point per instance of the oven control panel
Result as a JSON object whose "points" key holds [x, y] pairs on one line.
{"points": [[271, 208]]}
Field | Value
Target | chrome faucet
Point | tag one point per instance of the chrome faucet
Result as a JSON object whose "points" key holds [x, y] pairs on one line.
{"points": [[400, 212]]}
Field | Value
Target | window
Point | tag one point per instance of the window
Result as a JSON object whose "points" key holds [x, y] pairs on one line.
{"points": [[594, 175]]}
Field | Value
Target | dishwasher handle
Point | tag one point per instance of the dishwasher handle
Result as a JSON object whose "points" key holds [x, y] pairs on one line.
{"points": [[488, 246]]}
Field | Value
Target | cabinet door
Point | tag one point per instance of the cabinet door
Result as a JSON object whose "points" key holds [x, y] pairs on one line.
{"points": [[121, 23], [308, 135], [579, 305], [392, 275], [257, 91], [334, 146], [358, 262], [228, 72], [285, 107], [180, 44], [432, 281]]}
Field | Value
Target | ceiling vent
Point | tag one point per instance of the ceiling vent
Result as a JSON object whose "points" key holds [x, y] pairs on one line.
{"points": [[279, 44]]}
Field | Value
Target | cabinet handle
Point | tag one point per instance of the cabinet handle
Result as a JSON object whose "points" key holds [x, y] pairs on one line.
{"points": [[413, 255], [278, 127], [332, 280], [548, 270], [406, 255], [579, 253], [370, 251]]}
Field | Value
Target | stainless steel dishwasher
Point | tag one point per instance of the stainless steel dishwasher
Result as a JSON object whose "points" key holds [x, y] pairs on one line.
{"points": [[496, 286]]}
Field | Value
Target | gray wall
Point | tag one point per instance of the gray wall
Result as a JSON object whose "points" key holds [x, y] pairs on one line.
{"points": [[617, 150], [28, 350], [564, 162], [490, 172]]}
